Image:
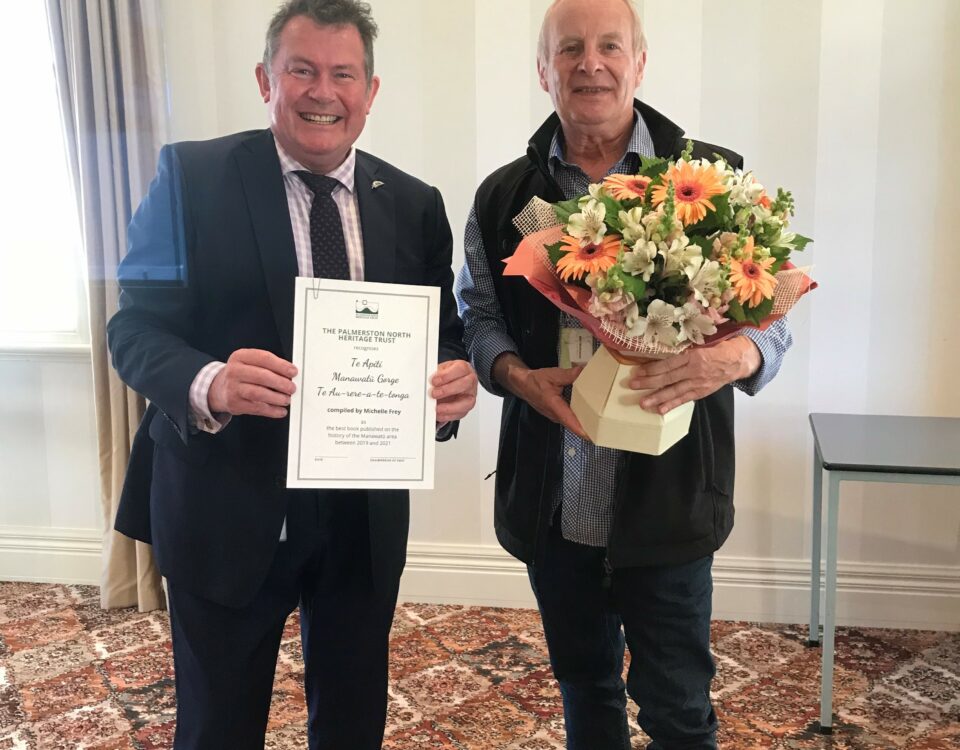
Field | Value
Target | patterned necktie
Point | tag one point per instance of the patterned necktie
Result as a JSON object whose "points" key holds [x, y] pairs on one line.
{"points": [[327, 245]]}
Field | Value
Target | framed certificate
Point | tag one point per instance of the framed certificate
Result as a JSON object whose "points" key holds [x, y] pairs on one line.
{"points": [[361, 417]]}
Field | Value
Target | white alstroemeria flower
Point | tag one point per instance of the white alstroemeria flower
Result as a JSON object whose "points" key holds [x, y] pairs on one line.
{"points": [[694, 324], [632, 222], [678, 254], [594, 193], [744, 189], [658, 326], [704, 278], [787, 240], [720, 165], [639, 261], [587, 226]]}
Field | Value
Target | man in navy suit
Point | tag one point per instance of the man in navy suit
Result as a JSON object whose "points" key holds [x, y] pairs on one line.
{"points": [[204, 331]]}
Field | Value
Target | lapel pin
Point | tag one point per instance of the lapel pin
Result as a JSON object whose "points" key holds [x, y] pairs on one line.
{"points": [[376, 184]]}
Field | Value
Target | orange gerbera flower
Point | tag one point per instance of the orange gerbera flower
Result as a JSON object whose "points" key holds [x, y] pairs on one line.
{"points": [[694, 186], [624, 186], [751, 279], [579, 260]]}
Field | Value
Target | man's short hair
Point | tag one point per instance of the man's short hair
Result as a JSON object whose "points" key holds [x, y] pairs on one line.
{"points": [[639, 38], [325, 13]]}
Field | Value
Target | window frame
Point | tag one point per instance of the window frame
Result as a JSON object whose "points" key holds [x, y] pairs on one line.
{"points": [[68, 342]]}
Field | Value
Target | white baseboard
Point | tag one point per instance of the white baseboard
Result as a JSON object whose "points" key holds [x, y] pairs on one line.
{"points": [[755, 589], [49, 555]]}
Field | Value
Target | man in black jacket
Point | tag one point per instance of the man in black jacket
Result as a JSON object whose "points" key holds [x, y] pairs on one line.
{"points": [[619, 545], [205, 331]]}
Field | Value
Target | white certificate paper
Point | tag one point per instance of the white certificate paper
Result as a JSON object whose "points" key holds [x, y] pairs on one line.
{"points": [[361, 417]]}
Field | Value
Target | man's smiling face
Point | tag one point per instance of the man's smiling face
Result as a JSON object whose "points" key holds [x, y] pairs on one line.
{"points": [[317, 92], [591, 69]]}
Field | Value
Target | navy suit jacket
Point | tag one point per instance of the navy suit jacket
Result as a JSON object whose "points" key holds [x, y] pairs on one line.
{"points": [[210, 269]]}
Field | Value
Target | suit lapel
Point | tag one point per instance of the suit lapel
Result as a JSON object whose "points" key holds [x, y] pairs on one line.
{"points": [[266, 196], [378, 220]]}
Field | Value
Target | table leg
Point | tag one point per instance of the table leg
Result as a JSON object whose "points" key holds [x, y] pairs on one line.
{"points": [[816, 530], [830, 604]]}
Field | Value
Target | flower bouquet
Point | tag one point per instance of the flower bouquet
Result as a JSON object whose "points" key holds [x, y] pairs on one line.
{"points": [[684, 253]]}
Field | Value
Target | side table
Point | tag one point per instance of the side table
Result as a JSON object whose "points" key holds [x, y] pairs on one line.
{"points": [[867, 448]]}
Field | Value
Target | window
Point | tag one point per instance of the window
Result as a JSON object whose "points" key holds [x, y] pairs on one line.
{"points": [[42, 292]]}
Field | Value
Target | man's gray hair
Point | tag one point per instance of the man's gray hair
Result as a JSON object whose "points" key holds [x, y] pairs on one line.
{"points": [[639, 38], [325, 13]]}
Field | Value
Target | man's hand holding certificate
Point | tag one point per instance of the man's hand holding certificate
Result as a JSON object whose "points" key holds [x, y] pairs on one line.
{"points": [[362, 415], [455, 390]]}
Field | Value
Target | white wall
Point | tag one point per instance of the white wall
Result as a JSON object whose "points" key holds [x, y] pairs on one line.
{"points": [[851, 105], [49, 488]]}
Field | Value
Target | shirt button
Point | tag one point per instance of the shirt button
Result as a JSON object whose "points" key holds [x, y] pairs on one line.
{"points": [[571, 452]]}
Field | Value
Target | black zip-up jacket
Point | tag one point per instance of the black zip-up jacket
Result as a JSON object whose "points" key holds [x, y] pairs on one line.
{"points": [[668, 509]]}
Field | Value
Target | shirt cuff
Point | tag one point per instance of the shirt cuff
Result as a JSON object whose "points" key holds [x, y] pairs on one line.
{"points": [[201, 417], [495, 343], [751, 385]]}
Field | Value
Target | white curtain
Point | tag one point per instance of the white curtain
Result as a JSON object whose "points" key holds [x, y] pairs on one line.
{"points": [[110, 75]]}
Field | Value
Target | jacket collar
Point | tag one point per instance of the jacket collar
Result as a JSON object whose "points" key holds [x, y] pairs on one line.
{"points": [[665, 134]]}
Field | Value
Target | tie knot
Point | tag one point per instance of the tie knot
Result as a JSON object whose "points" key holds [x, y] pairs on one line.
{"points": [[319, 184]]}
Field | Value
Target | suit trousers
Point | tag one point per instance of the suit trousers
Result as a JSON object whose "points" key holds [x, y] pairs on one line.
{"points": [[225, 658], [663, 616]]}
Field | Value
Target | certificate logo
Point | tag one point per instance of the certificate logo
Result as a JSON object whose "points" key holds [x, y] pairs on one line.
{"points": [[365, 309]]}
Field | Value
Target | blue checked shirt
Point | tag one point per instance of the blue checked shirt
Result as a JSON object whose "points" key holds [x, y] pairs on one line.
{"points": [[590, 472]]}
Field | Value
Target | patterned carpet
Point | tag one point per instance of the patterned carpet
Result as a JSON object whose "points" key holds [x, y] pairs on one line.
{"points": [[73, 676]]}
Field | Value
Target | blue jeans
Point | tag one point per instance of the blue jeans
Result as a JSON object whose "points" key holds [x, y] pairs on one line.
{"points": [[663, 616]]}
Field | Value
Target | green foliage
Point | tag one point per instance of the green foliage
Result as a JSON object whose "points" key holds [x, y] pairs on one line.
{"points": [[652, 166], [612, 218], [635, 285], [735, 311], [564, 209], [779, 252], [669, 211], [769, 234], [717, 220], [801, 242], [554, 252], [758, 313], [784, 203]]}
